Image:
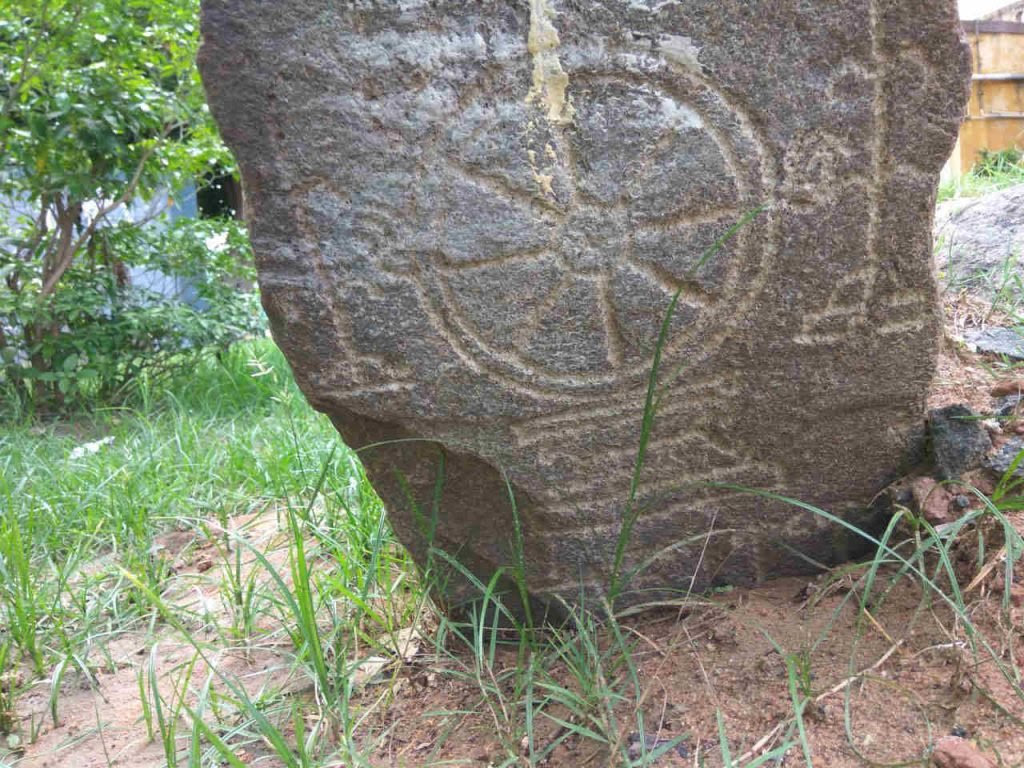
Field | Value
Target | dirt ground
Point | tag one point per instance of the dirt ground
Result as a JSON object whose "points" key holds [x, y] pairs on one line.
{"points": [[921, 684], [883, 690], [883, 683]]}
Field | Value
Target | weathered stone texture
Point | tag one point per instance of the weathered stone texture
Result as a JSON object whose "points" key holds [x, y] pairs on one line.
{"points": [[979, 242], [470, 218]]}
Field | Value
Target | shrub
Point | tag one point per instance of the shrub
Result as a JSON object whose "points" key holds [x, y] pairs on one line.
{"points": [[101, 107], [141, 302]]}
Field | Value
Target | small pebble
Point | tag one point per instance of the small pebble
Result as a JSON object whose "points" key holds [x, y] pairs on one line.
{"points": [[954, 752]]}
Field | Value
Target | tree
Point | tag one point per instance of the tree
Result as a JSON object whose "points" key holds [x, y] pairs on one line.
{"points": [[100, 105]]}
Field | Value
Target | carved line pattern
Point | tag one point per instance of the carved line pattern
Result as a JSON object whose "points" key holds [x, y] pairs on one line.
{"points": [[760, 275], [850, 302], [580, 201], [706, 505], [527, 377], [338, 317], [745, 470], [755, 278], [626, 410], [612, 329]]}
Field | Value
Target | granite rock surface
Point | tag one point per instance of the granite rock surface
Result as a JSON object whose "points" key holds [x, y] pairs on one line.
{"points": [[470, 219], [979, 242]]}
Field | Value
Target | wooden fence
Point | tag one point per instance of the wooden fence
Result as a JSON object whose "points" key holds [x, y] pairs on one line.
{"points": [[995, 114]]}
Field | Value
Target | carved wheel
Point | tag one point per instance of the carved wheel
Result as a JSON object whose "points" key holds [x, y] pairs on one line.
{"points": [[563, 244]]}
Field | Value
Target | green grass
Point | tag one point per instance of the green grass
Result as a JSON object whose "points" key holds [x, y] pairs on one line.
{"points": [[222, 443], [83, 507], [306, 580], [219, 443], [993, 172]]}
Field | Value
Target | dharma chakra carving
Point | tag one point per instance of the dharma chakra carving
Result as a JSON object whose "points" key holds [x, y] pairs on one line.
{"points": [[624, 200], [469, 219]]}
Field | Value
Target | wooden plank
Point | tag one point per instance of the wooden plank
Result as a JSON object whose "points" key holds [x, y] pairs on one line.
{"points": [[992, 27], [999, 77], [1018, 116]]}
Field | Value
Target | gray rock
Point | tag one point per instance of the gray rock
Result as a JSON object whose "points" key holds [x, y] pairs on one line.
{"points": [[1005, 342], [1002, 459], [959, 441], [470, 218], [979, 242], [1008, 407]]}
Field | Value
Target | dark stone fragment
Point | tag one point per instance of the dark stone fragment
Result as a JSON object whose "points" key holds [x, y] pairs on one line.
{"points": [[1008, 406], [959, 441]]}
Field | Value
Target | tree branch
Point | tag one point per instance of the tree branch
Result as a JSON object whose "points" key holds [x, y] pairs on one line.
{"points": [[66, 252]]}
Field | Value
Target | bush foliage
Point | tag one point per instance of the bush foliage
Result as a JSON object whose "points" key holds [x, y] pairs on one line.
{"points": [[101, 113], [111, 331]]}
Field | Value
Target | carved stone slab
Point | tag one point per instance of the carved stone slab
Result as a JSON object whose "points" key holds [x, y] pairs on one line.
{"points": [[470, 219]]}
